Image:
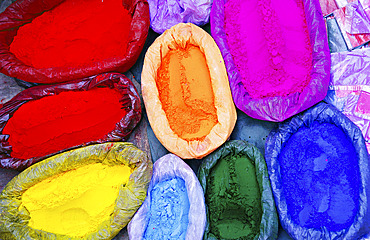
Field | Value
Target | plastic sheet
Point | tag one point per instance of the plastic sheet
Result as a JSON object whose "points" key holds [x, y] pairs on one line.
{"points": [[165, 14], [165, 168], [354, 23], [269, 222], [180, 35], [278, 108], [335, 37], [23, 12], [130, 101], [349, 88], [321, 113], [14, 221]]}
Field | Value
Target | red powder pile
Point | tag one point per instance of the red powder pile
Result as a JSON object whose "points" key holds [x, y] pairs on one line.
{"points": [[54, 123], [74, 33]]}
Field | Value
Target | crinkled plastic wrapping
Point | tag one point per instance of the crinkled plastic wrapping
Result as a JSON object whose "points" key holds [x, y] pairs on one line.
{"points": [[180, 35], [335, 37], [278, 108], [130, 102], [349, 88], [165, 14], [167, 167], [269, 220], [14, 223], [354, 22], [23, 12], [322, 112]]}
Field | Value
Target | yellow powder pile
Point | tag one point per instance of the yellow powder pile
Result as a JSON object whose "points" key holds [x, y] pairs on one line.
{"points": [[186, 94], [74, 203]]}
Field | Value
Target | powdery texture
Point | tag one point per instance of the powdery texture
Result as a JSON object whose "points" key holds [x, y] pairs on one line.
{"points": [[169, 210], [233, 198], [58, 122], [320, 177], [74, 33], [186, 93], [270, 45], [76, 202]]}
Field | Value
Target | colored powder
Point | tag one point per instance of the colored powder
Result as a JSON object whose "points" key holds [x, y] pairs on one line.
{"points": [[58, 122], [270, 45], [74, 33], [186, 93], [233, 199], [320, 177], [169, 210], [76, 202]]}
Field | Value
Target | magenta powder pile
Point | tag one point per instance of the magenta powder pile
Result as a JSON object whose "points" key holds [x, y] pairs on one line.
{"points": [[270, 45]]}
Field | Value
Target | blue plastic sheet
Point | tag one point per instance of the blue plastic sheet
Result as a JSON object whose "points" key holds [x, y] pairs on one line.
{"points": [[278, 140]]}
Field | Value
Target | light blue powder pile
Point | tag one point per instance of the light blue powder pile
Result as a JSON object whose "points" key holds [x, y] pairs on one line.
{"points": [[169, 210]]}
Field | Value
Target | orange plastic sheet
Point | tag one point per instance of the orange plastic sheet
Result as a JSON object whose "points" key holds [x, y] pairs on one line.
{"points": [[186, 92]]}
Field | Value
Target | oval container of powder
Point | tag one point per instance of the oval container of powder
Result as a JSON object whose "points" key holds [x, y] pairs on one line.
{"points": [[276, 54], [86, 193], [61, 40], [319, 172], [238, 195], [174, 207], [45, 120], [186, 92]]}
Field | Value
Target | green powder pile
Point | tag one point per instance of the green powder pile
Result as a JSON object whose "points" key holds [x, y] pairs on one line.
{"points": [[233, 198]]}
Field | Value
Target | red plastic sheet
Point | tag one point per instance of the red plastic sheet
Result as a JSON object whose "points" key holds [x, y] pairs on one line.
{"points": [[130, 102], [23, 12]]}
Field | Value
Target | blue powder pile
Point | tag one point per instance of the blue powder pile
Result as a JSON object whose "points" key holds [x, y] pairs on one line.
{"points": [[169, 210], [320, 177]]}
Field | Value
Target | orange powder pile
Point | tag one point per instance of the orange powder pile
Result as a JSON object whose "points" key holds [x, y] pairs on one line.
{"points": [[58, 122], [186, 94]]}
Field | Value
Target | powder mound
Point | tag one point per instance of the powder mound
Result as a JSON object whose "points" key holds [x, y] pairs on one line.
{"points": [[270, 45], [76, 202], [74, 33], [234, 199], [320, 177], [53, 123], [186, 93], [169, 210]]}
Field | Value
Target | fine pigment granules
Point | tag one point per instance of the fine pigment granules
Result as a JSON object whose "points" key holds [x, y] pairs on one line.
{"points": [[74, 33], [320, 177], [74, 203], [169, 210], [58, 122], [186, 93], [270, 45], [233, 198]]}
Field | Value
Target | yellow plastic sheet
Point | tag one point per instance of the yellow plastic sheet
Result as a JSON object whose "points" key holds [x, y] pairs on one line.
{"points": [[128, 173]]}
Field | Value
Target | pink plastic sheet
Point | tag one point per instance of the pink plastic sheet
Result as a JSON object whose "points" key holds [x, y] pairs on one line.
{"points": [[354, 22], [349, 88]]}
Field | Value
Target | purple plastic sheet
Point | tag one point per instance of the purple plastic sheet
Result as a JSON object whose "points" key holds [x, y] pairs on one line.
{"points": [[354, 22], [349, 88], [278, 108], [167, 13]]}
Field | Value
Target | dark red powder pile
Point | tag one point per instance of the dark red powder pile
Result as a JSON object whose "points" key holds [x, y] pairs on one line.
{"points": [[58, 122], [74, 33]]}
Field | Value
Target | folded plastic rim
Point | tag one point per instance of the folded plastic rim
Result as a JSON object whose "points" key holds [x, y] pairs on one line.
{"points": [[179, 36], [130, 100], [269, 221], [165, 168], [14, 222], [23, 12], [277, 109], [322, 112]]}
